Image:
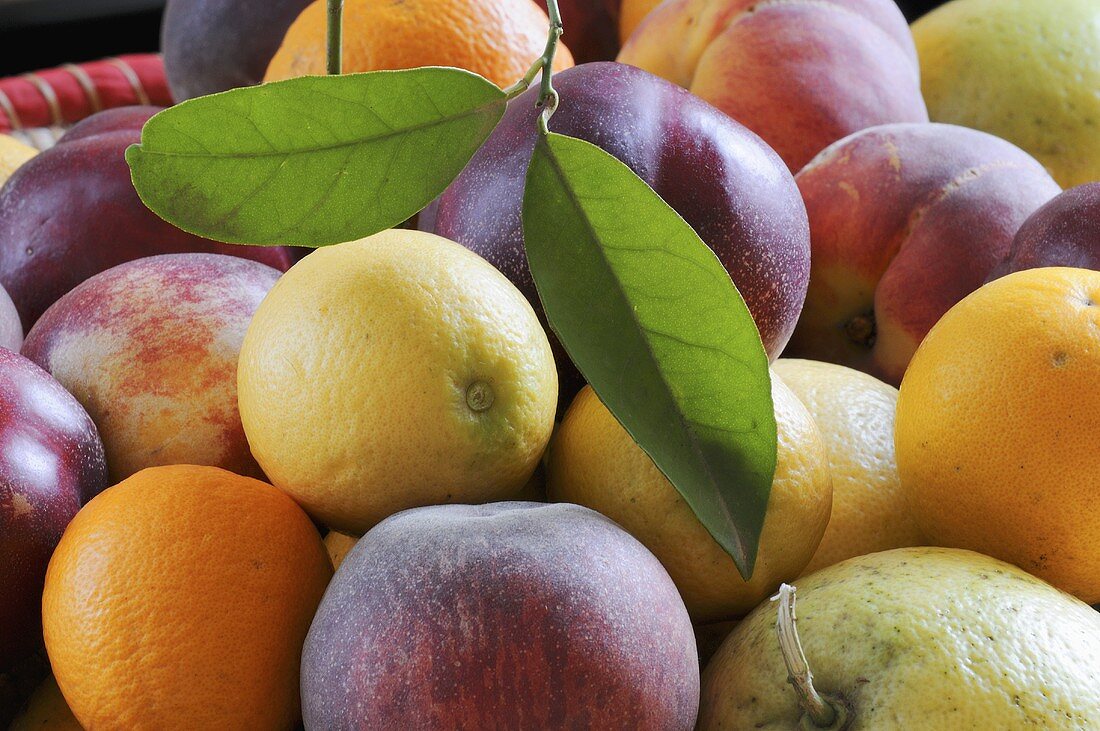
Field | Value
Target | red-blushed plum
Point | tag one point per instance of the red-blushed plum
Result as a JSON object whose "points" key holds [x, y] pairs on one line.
{"points": [[215, 45], [72, 212], [593, 28], [11, 329], [905, 221], [731, 187], [150, 349], [51, 463], [501, 616], [110, 120], [1063, 233], [800, 73]]}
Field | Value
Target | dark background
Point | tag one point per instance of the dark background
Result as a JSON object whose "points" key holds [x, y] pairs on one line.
{"points": [[44, 45]]}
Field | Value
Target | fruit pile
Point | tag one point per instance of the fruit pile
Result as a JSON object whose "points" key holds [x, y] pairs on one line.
{"points": [[414, 372]]}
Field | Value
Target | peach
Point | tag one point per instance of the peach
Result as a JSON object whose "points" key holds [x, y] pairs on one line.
{"points": [[800, 73], [150, 349], [501, 616], [905, 221]]}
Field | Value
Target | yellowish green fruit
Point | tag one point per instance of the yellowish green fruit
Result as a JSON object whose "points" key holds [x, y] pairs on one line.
{"points": [[46, 711], [338, 544], [392, 372], [917, 639], [1024, 70], [855, 414], [13, 153], [594, 462]]}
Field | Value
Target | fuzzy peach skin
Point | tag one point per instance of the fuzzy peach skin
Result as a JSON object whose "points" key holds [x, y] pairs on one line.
{"points": [[905, 221], [150, 349], [799, 73]]}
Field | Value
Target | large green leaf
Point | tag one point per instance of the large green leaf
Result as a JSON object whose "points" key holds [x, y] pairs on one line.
{"points": [[653, 321], [313, 161]]}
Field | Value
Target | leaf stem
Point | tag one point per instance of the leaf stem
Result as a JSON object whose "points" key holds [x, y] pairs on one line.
{"points": [[335, 37], [820, 712], [548, 96]]}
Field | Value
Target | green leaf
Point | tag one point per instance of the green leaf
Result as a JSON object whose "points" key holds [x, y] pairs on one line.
{"points": [[316, 160], [653, 321]]}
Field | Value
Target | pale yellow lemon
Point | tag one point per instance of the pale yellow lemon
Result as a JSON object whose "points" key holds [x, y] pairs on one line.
{"points": [[594, 462]]}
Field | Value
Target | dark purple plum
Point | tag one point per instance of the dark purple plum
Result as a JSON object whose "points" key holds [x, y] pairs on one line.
{"points": [[509, 615], [72, 212], [725, 182], [1063, 233], [51, 463], [215, 45]]}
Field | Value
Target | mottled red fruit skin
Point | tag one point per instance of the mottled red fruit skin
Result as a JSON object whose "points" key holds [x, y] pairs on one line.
{"points": [[215, 45], [905, 221], [11, 329], [72, 212], [503, 616], [800, 73], [150, 349], [1063, 233], [733, 190], [51, 463], [593, 28]]}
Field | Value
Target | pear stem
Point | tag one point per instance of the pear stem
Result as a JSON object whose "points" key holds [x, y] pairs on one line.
{"points": [[335, 37], [819, 712]]}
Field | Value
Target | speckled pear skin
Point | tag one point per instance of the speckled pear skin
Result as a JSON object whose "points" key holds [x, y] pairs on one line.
{"points": [[917, 639], [508, 615], [72, 212], [731, 187], [905, 221], [150, 348], [1063, 233], [51, 463]]}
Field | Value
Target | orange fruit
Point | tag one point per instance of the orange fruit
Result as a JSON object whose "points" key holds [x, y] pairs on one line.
{"points": [[181, 598], [498, 39], [996, 426]]}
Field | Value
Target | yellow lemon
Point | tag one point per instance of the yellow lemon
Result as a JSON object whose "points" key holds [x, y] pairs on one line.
{"points": [[13, 153], [594, 462], [392, 372], [855, 414]]}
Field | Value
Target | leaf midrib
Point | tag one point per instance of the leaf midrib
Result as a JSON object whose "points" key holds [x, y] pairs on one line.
{"points": [[686, 424], [474, 111]]}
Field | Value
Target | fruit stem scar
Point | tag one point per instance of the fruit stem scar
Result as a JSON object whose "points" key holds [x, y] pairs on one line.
{"points": [[479, 396], [819, 713], [861, 330]]}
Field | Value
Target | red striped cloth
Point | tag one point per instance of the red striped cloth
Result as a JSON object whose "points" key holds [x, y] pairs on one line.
{"points": [[39, 106]]}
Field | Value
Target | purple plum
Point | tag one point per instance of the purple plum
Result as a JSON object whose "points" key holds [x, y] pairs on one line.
{"points": [[51, 463], [730, 186]]}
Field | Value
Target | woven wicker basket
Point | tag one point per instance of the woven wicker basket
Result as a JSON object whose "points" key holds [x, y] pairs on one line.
{"points": [[38, 107]]}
